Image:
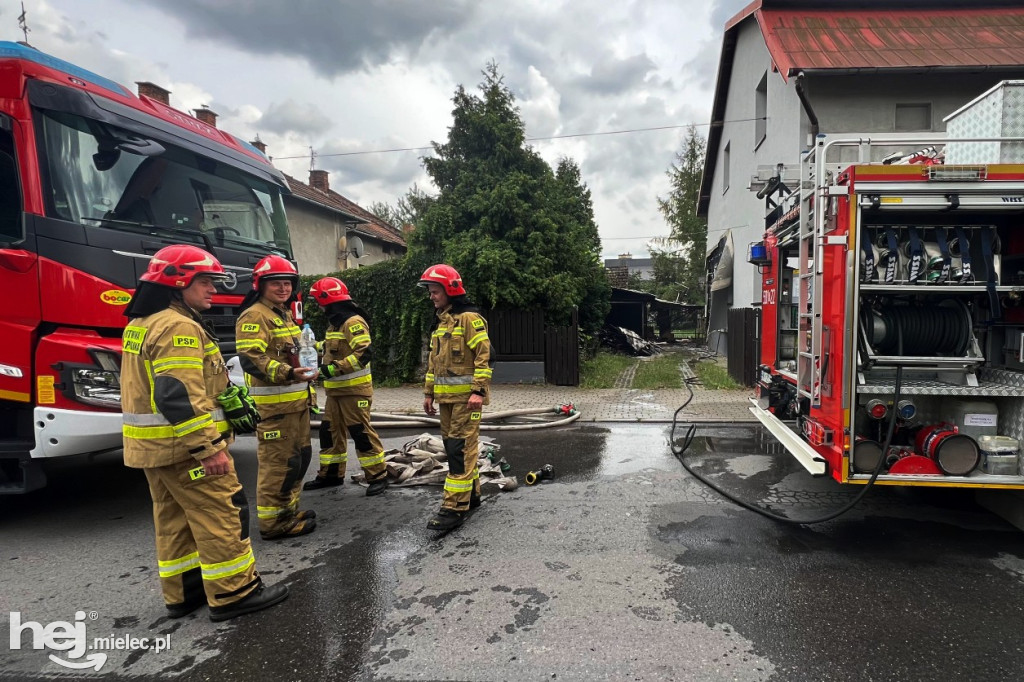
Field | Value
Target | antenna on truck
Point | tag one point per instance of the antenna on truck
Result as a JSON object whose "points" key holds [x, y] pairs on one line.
{"points": [[23, 23]]}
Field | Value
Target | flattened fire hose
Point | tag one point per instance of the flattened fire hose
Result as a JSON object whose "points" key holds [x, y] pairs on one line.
{"points": [[566, 413], [679, 450]]}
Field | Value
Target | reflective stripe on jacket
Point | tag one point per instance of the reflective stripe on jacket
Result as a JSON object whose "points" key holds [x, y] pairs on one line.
{"points": [[459, 359], [265, 337], [171, 373], [347, 347]]}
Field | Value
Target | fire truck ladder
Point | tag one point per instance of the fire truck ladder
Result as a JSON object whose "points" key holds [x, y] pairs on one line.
{"points": [[809, 279]]}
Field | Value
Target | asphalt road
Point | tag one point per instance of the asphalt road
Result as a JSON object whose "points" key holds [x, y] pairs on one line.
{"points": [[624, 567]]}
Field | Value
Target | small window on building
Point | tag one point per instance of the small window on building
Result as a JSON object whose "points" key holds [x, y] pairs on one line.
{"points": [[761, 110], [913, 117], [725, 168]]}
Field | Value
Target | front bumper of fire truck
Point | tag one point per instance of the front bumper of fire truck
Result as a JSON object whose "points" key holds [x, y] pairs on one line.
{"points": [[73, 432]]}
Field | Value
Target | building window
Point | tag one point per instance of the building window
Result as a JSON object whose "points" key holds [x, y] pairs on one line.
{"points": [[725, 168], [913, 118], [761, 111]]}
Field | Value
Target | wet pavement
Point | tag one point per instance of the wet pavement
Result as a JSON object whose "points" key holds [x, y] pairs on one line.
{"points": [[622, 567]]}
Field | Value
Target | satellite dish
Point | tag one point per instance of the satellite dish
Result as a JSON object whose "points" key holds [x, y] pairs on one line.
{"points": [[356, 247]]}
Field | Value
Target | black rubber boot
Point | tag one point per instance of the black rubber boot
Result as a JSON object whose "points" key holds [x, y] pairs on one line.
{"points": [[377, 487], [474, 500], [183, 609], [260, 598], [445, 519], [328, 482]]}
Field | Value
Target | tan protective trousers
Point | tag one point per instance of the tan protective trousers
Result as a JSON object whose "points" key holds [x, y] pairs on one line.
{"points": [[284, 450], [460, 433], [202, 534], [350, 414]]}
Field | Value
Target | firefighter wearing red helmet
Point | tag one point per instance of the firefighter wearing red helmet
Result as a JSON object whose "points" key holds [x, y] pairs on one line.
{"points": [[172, 373], [267, 340], [459, 379], [349, 386]]}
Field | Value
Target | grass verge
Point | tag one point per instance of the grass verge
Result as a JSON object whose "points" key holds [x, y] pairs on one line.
{"points": [[603, 369], [713, 376], [659, 371]]}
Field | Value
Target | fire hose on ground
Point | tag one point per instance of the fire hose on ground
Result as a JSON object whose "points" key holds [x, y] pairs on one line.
{"points": [[567, 414]]}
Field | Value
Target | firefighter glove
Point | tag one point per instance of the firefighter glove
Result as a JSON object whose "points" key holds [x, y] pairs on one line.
{"points": [[239, 408], [330, 370]]}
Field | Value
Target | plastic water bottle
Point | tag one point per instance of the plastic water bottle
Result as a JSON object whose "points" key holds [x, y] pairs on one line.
{"points": [[307, 348]]}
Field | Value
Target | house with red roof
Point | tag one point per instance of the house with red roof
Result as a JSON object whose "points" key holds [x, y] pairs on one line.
{"points": [[792, 70], [331, 233]]}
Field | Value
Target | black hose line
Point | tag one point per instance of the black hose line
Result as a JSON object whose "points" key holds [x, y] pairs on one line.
{"points": [[678, 451]]}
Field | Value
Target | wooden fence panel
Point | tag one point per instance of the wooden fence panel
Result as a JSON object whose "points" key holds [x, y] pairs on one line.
{"points": [[743, 344], [516, 335], [562, 353]]}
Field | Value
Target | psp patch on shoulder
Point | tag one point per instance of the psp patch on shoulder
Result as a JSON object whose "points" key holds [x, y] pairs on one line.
{"points": [[186, 341], [478, 324], [251, 328], [357, 328]]}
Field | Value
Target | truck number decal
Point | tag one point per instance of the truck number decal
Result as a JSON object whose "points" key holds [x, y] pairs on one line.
{"points": [[132, 340], [768, 297]]}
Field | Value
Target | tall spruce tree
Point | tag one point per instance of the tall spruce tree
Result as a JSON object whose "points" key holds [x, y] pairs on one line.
{"points": [[680, 211], [519, 234]]}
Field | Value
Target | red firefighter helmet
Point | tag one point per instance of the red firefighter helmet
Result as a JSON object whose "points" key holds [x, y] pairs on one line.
{"points": [[274, 267], [328, 290], [446, 276], [177, 265]]}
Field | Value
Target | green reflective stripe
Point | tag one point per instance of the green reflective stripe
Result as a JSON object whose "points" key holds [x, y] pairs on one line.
{"points": [[467, 388], [152, 387], [459, 331], [177, 363], [271, 512], [159, 419], [440, 332], [279, 390], [282, 398], [271, 369], [210, 348], [342, 383], [189, 426], [482, 373], [430, 377], [334, 336], [286, 331], [173, 567], [475, 340], [360, 338], [454, 485], [371, 460], [147, 432], [226, 569], [247, 344], [476, 473], [460, 379], [327, 458]]}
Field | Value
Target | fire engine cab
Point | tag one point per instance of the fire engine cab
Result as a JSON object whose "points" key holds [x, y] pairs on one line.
{"points": [[876, 267]]}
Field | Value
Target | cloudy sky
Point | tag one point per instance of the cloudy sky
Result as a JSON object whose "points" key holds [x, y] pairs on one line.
{"points": [[347, 77]]}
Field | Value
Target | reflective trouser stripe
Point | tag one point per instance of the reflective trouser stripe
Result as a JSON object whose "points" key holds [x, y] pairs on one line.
{"points": [[455, 485], [174, 567], [371, 460], [226, 569], [272, 512], [328, 458]]}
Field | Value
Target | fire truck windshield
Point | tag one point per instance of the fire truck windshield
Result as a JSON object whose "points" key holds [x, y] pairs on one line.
{"points": [[99, 174]]}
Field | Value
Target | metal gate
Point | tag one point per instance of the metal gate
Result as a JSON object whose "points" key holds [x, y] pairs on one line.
{"points": [[744, 341]]}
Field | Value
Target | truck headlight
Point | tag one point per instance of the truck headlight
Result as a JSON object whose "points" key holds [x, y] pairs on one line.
{"points": [[99, 386]]}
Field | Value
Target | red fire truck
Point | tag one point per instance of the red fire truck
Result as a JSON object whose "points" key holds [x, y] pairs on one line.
{"points": [[892, 314], [95, 180]]}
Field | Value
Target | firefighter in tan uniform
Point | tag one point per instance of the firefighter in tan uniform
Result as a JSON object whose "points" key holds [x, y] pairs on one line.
{"points": [[172, 373], [267, 340], [349, 385], [459, 379]]}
